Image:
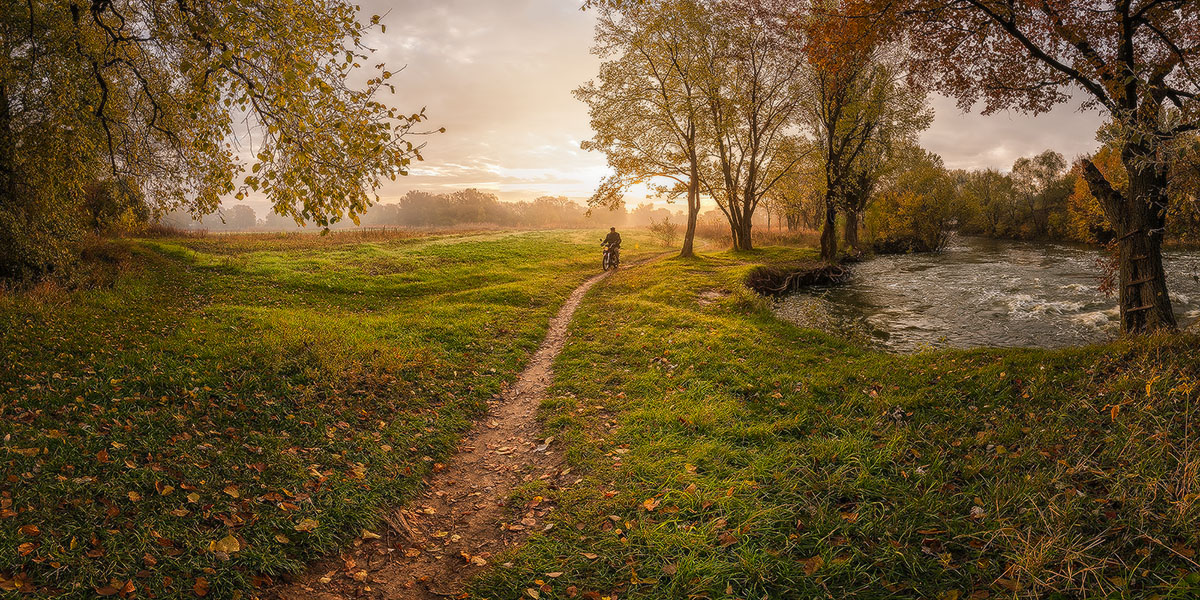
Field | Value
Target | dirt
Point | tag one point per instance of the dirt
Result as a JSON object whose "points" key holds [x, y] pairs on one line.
{"points": [[710, 297], [457, 527]]}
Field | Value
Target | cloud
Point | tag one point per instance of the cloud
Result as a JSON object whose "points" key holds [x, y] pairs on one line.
{"points": [[498, 74]]}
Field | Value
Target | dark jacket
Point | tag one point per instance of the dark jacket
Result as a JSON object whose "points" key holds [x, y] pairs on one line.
{"points": [[613, 238]]}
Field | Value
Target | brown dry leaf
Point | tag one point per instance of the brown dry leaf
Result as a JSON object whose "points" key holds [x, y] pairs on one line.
{"points": [[307, 525], [532, 593], [850, 517], [651, 503], [812, 565], [200, 587], [134, 497], [727, 539], [282, 539], [1013, 586], [232, 491], [949, 595], [670, 569], [554, 575], [30, 530], [193, 497], [370, 535], [26, 548], [589, 555]]}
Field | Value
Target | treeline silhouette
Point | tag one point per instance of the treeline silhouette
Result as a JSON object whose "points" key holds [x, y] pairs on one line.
{"points": [[470, 207]]}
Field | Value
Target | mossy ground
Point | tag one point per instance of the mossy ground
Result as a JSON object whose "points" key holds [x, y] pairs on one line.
{"points": [[724, 453]]}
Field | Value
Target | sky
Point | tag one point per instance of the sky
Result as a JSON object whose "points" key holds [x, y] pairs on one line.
{"points": [[498, 75]]}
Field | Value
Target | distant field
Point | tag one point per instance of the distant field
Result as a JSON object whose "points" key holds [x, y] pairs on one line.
{"points": [[724, 453], [237, 405]]}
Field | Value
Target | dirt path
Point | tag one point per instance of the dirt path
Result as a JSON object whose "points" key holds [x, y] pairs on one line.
{"points": [[451, 532]]}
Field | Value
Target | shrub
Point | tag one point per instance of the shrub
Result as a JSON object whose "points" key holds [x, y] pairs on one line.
{"points": [[665, 230]]}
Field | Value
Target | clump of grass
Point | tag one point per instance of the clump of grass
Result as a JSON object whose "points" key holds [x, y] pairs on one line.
{"points": [[727, 454], [233, 407]]}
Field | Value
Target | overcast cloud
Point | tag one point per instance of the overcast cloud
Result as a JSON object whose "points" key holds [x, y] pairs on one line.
{"points": [[498, 74]]}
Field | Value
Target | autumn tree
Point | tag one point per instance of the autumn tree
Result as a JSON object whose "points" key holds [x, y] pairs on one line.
{"points": [[1034, 177], [187, 102], [1137, 61], [646, 103], [753, 98], [860, 111]]}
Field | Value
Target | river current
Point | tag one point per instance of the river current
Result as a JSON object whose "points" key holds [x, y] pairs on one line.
{"points": [[981, 292]]}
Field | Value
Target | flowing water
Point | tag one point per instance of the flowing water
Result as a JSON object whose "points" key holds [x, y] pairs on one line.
{"points": [[981, 292]]}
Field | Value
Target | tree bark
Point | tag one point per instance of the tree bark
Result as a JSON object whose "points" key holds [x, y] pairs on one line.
{"points": [[851, 229], [1138, 218], [693, 198], [829, 232]]}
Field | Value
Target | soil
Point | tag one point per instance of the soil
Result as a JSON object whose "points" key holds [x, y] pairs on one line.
{"points": [[457, 527]]}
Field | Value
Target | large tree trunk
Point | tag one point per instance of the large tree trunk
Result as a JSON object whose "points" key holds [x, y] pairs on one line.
{"points": [[1138, 218], [851, 226], [744, 239], [693, 198], [829, 233]]}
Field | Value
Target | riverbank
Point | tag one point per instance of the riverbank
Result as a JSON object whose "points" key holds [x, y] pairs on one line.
{"points": [[980, 292], [723, 453]]}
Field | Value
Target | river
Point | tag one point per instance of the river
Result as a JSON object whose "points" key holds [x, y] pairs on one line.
{"points": [[982, 292]]}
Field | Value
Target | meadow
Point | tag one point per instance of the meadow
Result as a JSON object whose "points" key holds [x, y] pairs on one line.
{"points": [[233, 407], [728, 454]]}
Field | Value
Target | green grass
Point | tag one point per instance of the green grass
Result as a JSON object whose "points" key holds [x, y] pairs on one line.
{"points": [[264, 394], [723, 453]]}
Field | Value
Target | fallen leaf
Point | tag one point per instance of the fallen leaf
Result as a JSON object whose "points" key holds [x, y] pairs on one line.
{"points": [[306, 525], [232, 491], [651, 503], [134, 496], [812, 565], [200, 587], [370, 535], [227, 544]]}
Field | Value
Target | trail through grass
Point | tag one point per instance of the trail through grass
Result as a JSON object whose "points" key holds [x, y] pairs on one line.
{"points": [[723, 453], [235, 407]]}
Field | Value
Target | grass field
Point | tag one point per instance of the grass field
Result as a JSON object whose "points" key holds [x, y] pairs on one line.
{"points": [[239, 405], [723, 453], [236, 406]]}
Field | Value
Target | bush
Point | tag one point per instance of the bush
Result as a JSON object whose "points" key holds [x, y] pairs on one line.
{"points": [[665, 230]]}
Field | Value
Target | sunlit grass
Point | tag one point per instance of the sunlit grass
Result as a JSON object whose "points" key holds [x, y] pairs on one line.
{"points": [[275, 391], [724, 453]]}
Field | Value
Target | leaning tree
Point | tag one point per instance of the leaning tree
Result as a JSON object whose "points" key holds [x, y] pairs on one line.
{"points": [[1137, 61], [187, 102]]}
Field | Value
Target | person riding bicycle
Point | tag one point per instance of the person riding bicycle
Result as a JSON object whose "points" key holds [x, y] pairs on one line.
{"points": [[613, 241]]}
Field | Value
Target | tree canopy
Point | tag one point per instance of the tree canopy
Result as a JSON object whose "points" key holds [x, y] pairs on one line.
{"points": [[188, 102]]}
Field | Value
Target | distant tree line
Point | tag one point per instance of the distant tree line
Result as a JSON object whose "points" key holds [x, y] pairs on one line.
{"points": [[458, 209]]}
